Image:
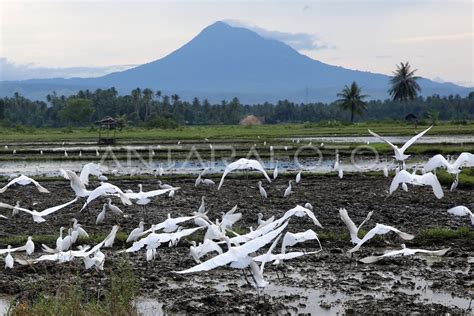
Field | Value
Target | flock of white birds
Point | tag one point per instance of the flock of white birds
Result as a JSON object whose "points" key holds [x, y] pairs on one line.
{"points": [[240, 251]]}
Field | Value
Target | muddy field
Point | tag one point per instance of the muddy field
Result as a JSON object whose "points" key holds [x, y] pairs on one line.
{"points": [[329, 282]]}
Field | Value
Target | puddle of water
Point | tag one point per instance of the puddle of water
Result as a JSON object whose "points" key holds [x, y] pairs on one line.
{"points": [[149, 307], [51, 168]]}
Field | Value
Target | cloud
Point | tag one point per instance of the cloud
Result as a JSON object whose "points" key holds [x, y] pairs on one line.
{"points": [[299, 41], [13, 71], [431, 38]]}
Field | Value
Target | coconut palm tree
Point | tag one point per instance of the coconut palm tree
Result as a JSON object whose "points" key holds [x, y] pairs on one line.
{"points": [[404, 85], [352, 99]]}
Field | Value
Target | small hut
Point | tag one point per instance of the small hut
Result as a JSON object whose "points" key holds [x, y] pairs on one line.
{"points": [[106, 126], [251, 120]]}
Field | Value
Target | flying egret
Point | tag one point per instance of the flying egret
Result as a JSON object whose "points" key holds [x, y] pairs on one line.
{"points": [[198, 251], [24, 180], [90, 169], [400, 152], [243, 164], [299, 211], [462, 211], [291, 239], [288, 190], [405, 252], [262, 222], [464, 160], [106, 189], [426, 179], [353, 230], [170, 224], [230, 218], [38, 217], [381, 229], [237, 256]]}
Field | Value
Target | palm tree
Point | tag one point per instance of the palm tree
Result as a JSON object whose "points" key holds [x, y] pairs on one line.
{"points": [[351, 99], [404, 85], [136, 96], [147, 96]]}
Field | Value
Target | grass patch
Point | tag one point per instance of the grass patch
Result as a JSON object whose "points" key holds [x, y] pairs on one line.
{"points": [[238, 131], [71, 299], [439, 233]]}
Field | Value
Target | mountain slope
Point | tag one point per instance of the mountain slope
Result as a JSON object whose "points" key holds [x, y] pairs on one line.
{"points": [[224, 61]]}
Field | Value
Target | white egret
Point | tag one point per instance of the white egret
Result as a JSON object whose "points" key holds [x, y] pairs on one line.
{"points": [[381, 229], [308, 206], [198, 251], [230, 218], [77, 231], [275, 171], [101, 215], [208, 182], [291, 239], [136, 233], [24, 180], [90, 169], [170, 224], [237, 256], [15, 210], [405, 252], [340, 173], [426, 179], [38, 216], [400, 152], [353, 230], [288, 190], [107, 189], [462, 211], [9, 260], [299, 211], [262, 191], [262, 222], [115, 209], [202, 207], [298, 177], [464, 160], [243, 164]]}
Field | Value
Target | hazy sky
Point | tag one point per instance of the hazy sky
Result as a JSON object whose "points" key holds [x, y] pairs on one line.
{"points": [[437, 37]]}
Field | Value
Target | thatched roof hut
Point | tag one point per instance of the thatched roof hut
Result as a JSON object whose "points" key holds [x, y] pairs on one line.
{"points": [[251, 120]]}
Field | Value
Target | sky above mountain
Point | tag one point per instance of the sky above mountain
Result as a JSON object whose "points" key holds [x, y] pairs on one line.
{"points": [[435, 36]]}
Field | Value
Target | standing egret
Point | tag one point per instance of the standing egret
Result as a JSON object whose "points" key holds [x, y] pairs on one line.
{"points": [[9, 260], [275, 171], [115, 209], [202, 207], [16, 210], [298, 178], [340, 173], [136, 233], [288, 190], [101, 215], [262, 222], [262, 191]]}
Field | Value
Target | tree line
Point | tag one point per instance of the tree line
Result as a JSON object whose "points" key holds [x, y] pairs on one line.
{"points": [[150, 108]]}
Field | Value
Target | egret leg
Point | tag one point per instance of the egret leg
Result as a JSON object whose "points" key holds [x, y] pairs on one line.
{"points": [[245, 277]]}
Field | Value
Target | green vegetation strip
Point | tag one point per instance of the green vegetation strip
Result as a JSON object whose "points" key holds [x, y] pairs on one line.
{"points": [[235, 131]]}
